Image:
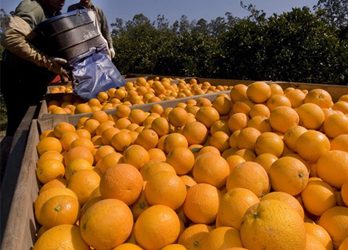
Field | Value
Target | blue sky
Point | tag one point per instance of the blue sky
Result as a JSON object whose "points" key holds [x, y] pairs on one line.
{"points": [[173, 9]]}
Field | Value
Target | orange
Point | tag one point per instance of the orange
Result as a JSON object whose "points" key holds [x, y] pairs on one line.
{"points": [[238, 92], [49, 144], [340, 143], [247, 154], [311, 115], [243, 106], [63, 127], [220, 140], [202, 203], [237, 121], [61, 237], [341, 106], [165, 188], [83, 183], [269, 142], [160, 125], [174, 140], [288, 231], [335, 125], [108, 161], [212, 169], [137, 116], [223, 238], [312, 243], [46, 133], [195, 132], [317, 197], [100, 116], [277, 101], [282, 118], [157, 108], [77, 165], [266, 160], [100, 222], [220, 125], [188, 181], [332, 167], [320, 97], [157, 155], [233, 205], [123, 182], [82, 142], [249, 175], [78, 152], [140, 205], [91, 125], [67, 138], [151, 168], [344, 244], [136, 155], [259, 110], [247, 138], [291, 135], [53, 184], [344, 193], [296, 97], [48, 170], [234, 160], [102, 152], [276, 89], [147, 138], [122, 110], [222, 105], [157, 227], [312, 144], [178, 117], [207, 116], [287, 179], [182, 159], [259, 92], [335, 222], [174, 247], [233, 141], [261, 123], [194, 236], [290, 200], [202, 101], [122, 123], [121, 140], [320, 234], [58, 210], [107, 135]]}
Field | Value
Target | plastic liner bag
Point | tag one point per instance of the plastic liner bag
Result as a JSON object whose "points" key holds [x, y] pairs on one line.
{"points": [[95, 73]]}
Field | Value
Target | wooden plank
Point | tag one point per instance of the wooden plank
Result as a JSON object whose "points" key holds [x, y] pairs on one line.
{"points": [[21, 226]]}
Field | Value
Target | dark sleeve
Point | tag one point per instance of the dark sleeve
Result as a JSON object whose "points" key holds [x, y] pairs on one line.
{"points": [[31, 12], [104, 27], [73, 7]]}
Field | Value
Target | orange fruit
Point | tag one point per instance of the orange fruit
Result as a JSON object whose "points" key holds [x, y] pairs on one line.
{"points": [[165, 188], [174, 247], [335, 125], [140, 205], [49, 144], [182, 159], [259, 110], [234, 160], [341, 106], [122, 123], [317, 197], [53, 184], [78, 152], [220, 125], [344, 193], [247, 154], [123, 182], [61, 237], [312, 144], [311, 115], [107, 135], [160, 125], [332, 167], [82, 142], [344, 244], [58, 210], [157, 155], [233, 205], [46, 133], [277, 101], [67, 138], [195, 132], [247, 138], [77, 165], [137, 116], [261, 123], [63, 127], [100, 222], [340, 143], [83, 183], [121, 140], [220, 140], [276, 89], [243, 106], [207, 149], [259, 92], [291, 135], [212, 169], [320, 97], [188, 181], [238, 92], [223, 238], [282, 118], [288, 231], [319, 233], [335, 222], [312, 243], [178, 117], [136, 155], [174, 140], [48, 170], [222, 104], [100, 116], [237, 121], [296, 97], [233, 141], [194, 236], [157, 108], [122, 110], [91, 125], [286, 198], [147, 138], [109, 160], [157, 227], [152, 168], [287, 179], [202, 203], [269, 142], [207, 116], [266, 160], [102, 152], [249, 175]]}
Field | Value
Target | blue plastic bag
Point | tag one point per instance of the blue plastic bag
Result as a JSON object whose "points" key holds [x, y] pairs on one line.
{"points": [[95, 73]]}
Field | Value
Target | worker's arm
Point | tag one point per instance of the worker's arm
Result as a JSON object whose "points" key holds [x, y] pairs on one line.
{"points": [[15, 41], [105, 31]]}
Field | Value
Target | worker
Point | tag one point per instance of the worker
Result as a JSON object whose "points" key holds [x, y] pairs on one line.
{"points": [[101, 18], [26, 71]]}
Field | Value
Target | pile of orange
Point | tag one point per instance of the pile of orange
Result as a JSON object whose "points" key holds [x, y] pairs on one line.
{"points": [[261, 168], [140, 91]]}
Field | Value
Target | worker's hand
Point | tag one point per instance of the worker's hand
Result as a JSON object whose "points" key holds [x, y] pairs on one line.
{"points": [[56, 66], [112, 52]]}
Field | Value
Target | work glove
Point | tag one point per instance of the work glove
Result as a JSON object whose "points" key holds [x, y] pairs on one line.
{"points": [[112, 52], [56, 65]]}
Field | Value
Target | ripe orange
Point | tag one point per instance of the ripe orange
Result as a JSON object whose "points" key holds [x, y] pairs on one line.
{"points": [[100, 116], [238, 92], [61, 237], [160, 125], [223, 238], [332, 167], [147, 138], [157, 155], [123, 182], [312, 243], [344, 193], [102, 152], [259, 92], [202, 203], [340, 143], [182, 159], [193, 237], [269, 142], [195, 132], [237, 121], [296, 97], [266, 160], [319, 233], [317, 197], [165, 188], [288, 231], [91, 125], [247, 154], [312, 144], [247, 138], [212, 169], [100, 222], [282, 118], [107, 135], [77, 165], [178, 117], [259, 110], [78, 152], [83, 142], [287, 179], [243, 106], [174, 140], [53, 184], [249, 175], [344, 244], [49, 144], [207, 116], [151, 168], [291, 136], [320, 97], [261, 123], [341, 106], [233, 205], [220, 140], [136, 155], [277, 101], [335, 125], [67, 138], [48, 170], [220, 125], [157, 227], [108, 161], [234, 160], [63, 127], [311, 115], [222, 104]]}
